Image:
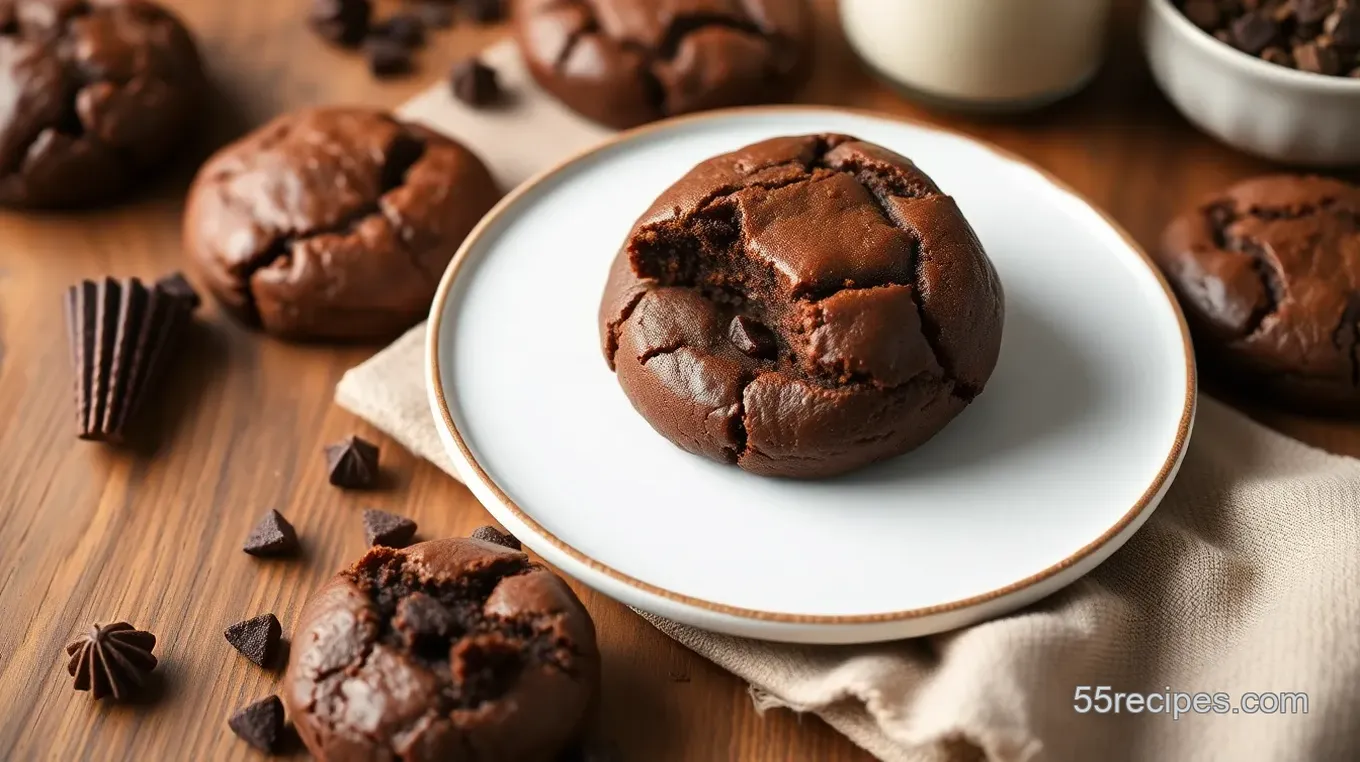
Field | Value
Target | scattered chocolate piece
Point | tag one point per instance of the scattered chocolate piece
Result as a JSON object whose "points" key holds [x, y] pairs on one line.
{"points": [[1317, 36], [387, 59], [422, 618], [493, 535], [272, 536], [404, 29], [122, 335], [111, 660], [389, 529], [353, 463], [475, 83], [483, 11], [751, 337], [176, 285], [342, 22], [256, 638], [260, 724], [435, 14]]}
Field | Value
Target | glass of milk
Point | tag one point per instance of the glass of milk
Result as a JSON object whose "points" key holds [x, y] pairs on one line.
{"points": [[994, 55]]}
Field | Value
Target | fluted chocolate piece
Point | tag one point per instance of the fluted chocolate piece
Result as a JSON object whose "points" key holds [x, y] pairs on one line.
{"points": [[111, 660], [122, 335]]}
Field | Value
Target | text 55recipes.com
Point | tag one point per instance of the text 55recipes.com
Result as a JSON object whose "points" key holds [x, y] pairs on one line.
{"points": [[1102, 699]]}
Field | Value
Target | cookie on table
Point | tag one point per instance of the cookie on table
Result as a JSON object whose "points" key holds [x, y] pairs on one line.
{"points": [[446, 650], [333, 223], [1268, 273], [802, 307], [627, 62], [95, 96]]}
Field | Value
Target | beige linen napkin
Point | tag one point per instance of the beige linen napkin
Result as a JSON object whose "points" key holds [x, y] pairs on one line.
{"points": [[1245, 581]]}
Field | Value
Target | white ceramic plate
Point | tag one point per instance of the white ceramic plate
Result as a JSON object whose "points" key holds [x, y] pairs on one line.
{"points": [[1052, 468]]}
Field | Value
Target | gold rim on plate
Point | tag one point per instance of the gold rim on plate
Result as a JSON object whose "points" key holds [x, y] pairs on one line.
{"points": [[475, 470]]}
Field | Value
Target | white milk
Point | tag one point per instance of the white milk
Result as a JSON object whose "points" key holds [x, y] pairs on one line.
{"points": [[985, 53]]}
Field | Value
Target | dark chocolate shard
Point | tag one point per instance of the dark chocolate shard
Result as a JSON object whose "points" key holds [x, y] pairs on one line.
{"points": [[404, 29], [341, 22], [352, 463], [111, 660], [493, 535], [256, 638], [260, 724], [122, 336], [272, 536], [389, 529], [176, 285]]}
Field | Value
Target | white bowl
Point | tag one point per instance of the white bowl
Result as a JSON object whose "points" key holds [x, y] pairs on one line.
{"points": [[1262, 108]]}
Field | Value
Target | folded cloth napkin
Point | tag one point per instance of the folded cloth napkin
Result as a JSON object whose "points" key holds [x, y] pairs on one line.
{"points": [[1233, 614]]}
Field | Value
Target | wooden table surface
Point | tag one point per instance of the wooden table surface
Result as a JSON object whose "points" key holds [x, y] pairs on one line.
{"points": [[153, 536]]}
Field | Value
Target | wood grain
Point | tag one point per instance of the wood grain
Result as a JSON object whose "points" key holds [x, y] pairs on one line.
{"points": [[152, 535]]}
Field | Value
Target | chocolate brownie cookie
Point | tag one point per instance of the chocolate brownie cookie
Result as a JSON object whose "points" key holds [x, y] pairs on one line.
{"points": [[447, 650], [93, 95], [1268, 272], [626, 62], [802, 307], [333, 223]]}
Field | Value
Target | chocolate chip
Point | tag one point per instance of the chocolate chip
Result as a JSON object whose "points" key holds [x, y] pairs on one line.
{"points": [[260, 724], [389, 529], [1254, 31], [342, 22], [751, 337], [272, 536], [177, 286], [352, 463], [404, 29], [483, 11], [111, 660], [1317, 59], [1203, 13], [422, 618], [256, 638], [387, 59], [475, 83], [496, 537]]}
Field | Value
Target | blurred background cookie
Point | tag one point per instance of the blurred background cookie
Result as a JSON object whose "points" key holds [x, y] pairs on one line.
{"points": [[334, 223], [627, 62], [93, 95], [1268, 272]]}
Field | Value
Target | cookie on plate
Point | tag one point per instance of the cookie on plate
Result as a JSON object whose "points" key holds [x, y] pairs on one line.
{"points": [[627, 62], [96, 94], [1268, 273], [333, 223], [450, 649], [802, 307]]}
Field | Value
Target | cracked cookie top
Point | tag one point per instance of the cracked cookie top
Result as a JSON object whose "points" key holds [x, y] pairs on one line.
{"points": [[451, 649], [92, 95], [1268, 272], [333, 223], [802, 307], [627, 62]]}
